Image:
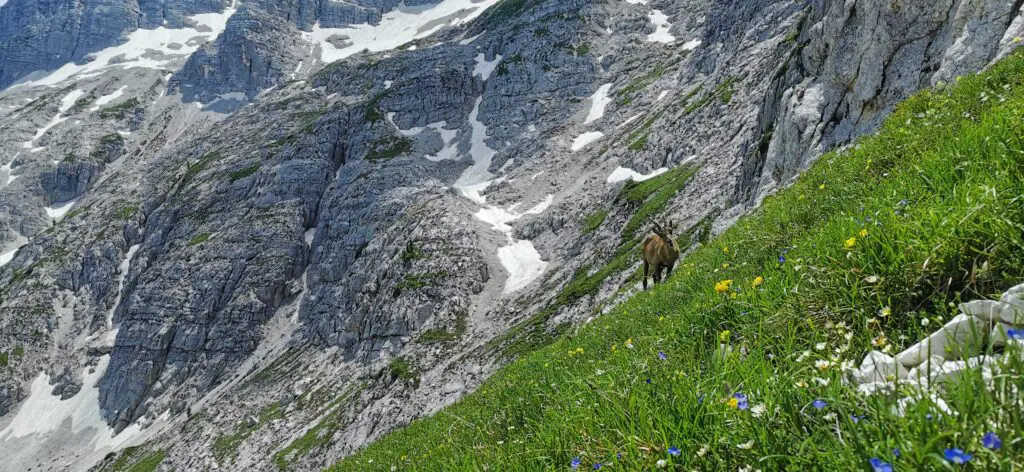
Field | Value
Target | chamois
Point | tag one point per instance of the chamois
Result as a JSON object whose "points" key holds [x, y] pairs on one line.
{"points": [[660, 251]]}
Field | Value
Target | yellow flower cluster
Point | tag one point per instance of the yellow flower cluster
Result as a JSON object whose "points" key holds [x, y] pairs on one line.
{"points": [[757, 282], [575, 352], [724, 286]]}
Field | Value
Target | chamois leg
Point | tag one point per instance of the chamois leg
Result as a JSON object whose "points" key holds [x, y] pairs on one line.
{"points": [[668, 272], [657, 273], [645, 275]]}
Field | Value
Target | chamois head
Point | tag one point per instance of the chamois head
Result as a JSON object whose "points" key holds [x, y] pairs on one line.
{"points": [[665, 231]]}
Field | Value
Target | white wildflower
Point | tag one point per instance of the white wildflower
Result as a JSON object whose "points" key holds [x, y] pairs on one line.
{"points": [[758, 410], [747, 445]]}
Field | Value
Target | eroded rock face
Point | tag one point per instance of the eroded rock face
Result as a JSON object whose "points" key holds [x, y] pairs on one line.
{"points": [[251, 229]]}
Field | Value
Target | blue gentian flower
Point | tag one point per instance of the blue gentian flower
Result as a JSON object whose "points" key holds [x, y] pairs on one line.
{"points": [[782, 259], [878, 465], [856, 419], [673, 451], [648, 380], [662, 356], [1017, 334], [741, 401], [819, 404], [597, 466], [957, 456], [896, 452], [991, 441], [575, 463]]}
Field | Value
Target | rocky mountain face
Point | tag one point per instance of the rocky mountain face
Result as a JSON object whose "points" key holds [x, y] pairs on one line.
{"points": [[257, 235]]}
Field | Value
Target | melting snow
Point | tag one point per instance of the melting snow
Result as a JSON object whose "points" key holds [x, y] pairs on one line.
{"points": [[122, 272], [396, 27], [153, 48], [662, 26], [477, 177], [523, 263], [5, 172], [620, 174], [57, 212], [691, 44], [108, 98], [598, 102], [65, 104], [585, 139], [46, 424], [484, 68], [8, 256]]}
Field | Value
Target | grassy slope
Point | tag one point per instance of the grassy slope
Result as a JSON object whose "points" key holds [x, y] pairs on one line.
{"points": [[939, 195]]}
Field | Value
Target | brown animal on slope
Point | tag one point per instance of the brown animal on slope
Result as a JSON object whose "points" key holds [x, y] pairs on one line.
{"points": [[659, 251]]}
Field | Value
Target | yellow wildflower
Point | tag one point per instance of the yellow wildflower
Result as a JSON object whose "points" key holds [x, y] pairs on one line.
{"points": [[733, 403], [879, 341], [723, 286], [613, 348], [885, 311], [725, 249], [821, 187], [724, 336], [863, 233], [628, 343], [850, 243], [725, 265], [757, 281]]}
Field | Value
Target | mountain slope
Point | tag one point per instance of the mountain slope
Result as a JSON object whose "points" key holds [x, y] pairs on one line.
{"points": [[869, 241], [238, 257]]}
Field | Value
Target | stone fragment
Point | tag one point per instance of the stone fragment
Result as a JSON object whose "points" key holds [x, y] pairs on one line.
{"points": [[962, 335]]}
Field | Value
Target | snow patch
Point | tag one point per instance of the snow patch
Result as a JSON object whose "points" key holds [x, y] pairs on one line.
{"points": [[661, 28], [108, 98], [485, 68], [598, 102], [523, 263], [586, 139], [621, 173], [477, 177], [154, 49], [396, 28], [58, 211], [691, 44], [65, 104]]}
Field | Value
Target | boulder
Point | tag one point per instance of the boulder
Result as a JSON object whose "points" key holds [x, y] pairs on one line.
{"points": [[962, 335]]}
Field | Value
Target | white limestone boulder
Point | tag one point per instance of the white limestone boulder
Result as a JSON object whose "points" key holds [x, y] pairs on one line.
{"points": [[879, 367], [1014, 301], [985, 310], [924, 374], [964, 335]]}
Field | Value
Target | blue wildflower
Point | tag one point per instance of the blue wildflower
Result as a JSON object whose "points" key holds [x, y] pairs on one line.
{"points": [[878, 465], [896, 452], [597, 466], [1017, 334], [991, 441], [575, 463], [957, 456], [819, 404], [673, 451], [856, 419], [648, 380], [700, 399], [662, 356], [741, 401], [782, 259]]}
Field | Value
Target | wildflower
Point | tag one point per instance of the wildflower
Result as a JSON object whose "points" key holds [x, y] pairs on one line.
{"points": [[830, 417], [723, 286], [885, 311], [850, 243], [957, 456], [661, 463], [782, 259], [800, 384], [738, 401], [747, 445], [877, 465], [662, 356], [821, 187], [614, 347], [856, 419], [887, 349], [819, 404], [725, 265], [725, 249], [822, 364], [820, 346], [628, 343], [863, 233], [757, 282], [848, 336], [1017, 334], [723, 336], [872, 279], [575, 463], [597, 465], [758, 410], [673, 451], [703, 451], [896, 452], [879, 341], [821, 381], [803, 356], [925, 321], [991, 441]]}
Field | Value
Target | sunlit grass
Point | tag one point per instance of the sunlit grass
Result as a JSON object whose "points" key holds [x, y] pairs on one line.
{"points": [[871, 240]]}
